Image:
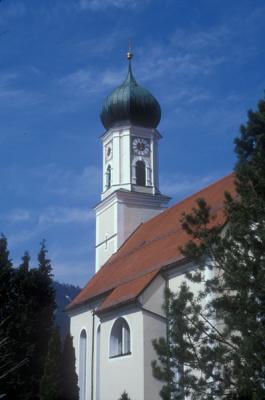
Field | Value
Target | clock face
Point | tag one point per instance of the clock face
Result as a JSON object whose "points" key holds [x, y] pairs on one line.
{"points": [[141, 147], [108, 151]]}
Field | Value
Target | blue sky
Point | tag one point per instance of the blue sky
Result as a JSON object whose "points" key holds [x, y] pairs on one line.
{"points": [[202, 59]]}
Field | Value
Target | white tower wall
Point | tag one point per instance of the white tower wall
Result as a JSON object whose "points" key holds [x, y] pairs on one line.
{"points": [[125, 204]]}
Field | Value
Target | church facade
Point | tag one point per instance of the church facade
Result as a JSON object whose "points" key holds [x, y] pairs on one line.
{"points": [[119, 312]]}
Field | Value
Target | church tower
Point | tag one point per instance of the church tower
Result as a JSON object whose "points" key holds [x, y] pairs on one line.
{"points": [[130, 193]]}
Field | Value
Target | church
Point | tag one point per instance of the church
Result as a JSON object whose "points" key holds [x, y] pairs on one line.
{"points": [[119, 312]]}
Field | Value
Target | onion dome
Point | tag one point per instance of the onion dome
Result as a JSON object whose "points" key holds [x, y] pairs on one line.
{"points": [[130, 103]]}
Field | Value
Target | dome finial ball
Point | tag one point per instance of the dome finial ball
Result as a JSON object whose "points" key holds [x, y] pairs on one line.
{"points": [[129, 53]]}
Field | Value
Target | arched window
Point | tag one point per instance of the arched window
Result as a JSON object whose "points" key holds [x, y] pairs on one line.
{"points": [[108, 177], [82, 364], [140, 173], [120, 341]]}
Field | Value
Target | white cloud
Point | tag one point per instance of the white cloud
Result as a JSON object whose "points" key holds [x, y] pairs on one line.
{"points": [[104, 44], [179, 186], [200, 40], [16, 216], [51, 181], [12, 95], [65, 215], [86, 82], [19, 216], [164, 61], [81, 80], [96, 5], [70, 184], [23, 236]]}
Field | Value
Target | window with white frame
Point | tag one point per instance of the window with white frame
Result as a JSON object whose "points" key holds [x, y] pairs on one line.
{"points": [[120, 338]]}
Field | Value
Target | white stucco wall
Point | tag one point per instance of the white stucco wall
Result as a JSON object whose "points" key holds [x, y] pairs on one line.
{"points": [[124, 372], [78, 322], [132, 372], [152, 297], [129, 372], [131, 216], [121, 159], [154, 327], [119, 215]]}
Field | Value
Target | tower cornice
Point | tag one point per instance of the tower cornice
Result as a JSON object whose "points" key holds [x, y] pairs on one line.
{"points": [[131, 129]]}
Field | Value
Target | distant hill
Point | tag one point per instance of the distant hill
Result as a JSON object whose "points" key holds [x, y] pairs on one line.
{"points": [[64, 294]]}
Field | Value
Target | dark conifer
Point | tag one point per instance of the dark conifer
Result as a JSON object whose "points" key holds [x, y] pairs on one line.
{"points": [[6, 279], [43, 298], [70, 389], [27, 307], [26, 320], [50, 385], [219, 332], [5, 262], [124, 396], [7, 303], [25, 262]]}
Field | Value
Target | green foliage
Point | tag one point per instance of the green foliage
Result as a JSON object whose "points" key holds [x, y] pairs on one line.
{"points": [[44, 312], [26, 307], [215, 342], [6, 280], [70, 389], [24, 266], [7, 308], [25, 333], [50, 385], [124, 396]]}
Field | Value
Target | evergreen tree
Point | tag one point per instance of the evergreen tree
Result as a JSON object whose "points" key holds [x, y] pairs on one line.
{"points": [[24, 266], [50, 385], [43, 308], [27, 313], [27, 307], [7, 353], [6, 279], [8, 366], [70, 389], [215, 343], [124, 396], [5, 262]]}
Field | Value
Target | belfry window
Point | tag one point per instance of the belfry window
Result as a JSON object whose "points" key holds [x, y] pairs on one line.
{"points": [[82, 364], [120, 338], [108, 177], [140, 173]]}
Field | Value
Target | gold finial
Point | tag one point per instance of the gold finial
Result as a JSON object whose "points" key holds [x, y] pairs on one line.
{"points": [[129, 53]]}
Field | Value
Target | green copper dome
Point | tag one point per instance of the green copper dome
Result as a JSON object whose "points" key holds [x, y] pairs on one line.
{"points": [[130, 103]]}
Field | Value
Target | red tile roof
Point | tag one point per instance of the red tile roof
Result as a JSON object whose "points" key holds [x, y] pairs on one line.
{"points": [[154, 245]]}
